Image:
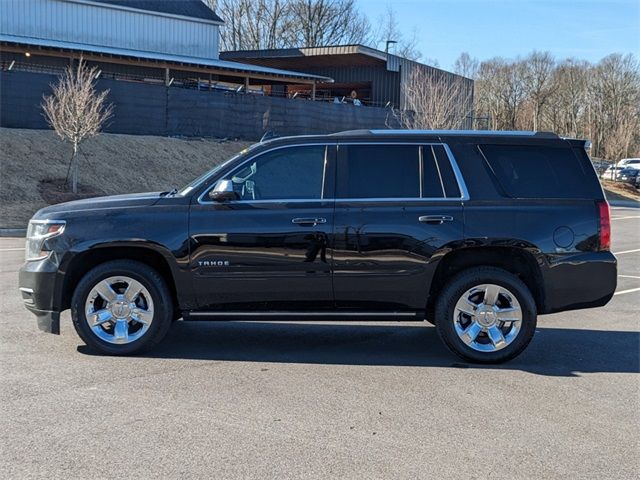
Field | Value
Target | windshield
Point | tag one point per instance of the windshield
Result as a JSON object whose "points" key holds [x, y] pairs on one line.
{"points": [[194, 184]]}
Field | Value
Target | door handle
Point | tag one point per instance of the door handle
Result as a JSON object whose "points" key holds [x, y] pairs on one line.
{"points": [[435, 219], [309, 221]]}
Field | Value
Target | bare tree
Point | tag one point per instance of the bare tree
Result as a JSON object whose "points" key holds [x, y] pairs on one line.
{"points": [[434, 100], [257, 24], [76, 111], [537, 79], [466, 66], [567, 107], [573, 98], [389, 30], [254, 24], [328, 22], [614, 101]]}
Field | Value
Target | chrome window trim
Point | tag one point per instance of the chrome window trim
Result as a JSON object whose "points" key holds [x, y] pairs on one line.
{"points": [[397, 199], [454, 165], [201, 200], [462, 186]]}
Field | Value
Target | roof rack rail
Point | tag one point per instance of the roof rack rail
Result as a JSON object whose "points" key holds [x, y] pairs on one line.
{"points": [[488, 133], [269, 135], [351, 132]]}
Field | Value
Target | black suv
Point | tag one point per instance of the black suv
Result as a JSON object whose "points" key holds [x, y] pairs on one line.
{"points": [[475, 232]]}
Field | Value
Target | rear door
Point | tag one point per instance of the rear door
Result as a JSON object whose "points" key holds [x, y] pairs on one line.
{"points": [[398, 207]]}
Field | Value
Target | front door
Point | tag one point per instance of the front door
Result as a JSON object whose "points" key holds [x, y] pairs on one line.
{"points": [[270, 248], [397, 205]]}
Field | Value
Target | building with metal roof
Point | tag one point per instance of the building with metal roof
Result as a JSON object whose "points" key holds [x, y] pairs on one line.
{"points": [[184, 8], [378, 78], [141, 40]]}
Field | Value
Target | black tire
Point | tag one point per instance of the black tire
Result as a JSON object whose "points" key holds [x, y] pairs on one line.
{"points": [[151, 280], [457, 286]]}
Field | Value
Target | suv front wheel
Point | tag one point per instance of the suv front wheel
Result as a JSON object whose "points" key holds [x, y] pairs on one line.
{"points": [[486, 315], [122, 307]]}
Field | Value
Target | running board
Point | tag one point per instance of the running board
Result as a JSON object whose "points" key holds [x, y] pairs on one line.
{"points": [[302, 315]]}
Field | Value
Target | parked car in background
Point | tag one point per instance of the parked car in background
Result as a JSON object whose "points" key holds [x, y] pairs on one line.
{"points": [[629, 175], [629, 162], [476, 232], [600, 166], [611, 172]]}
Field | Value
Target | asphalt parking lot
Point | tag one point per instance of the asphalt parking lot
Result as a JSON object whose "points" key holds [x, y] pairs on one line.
{"points": [[325, 400]]}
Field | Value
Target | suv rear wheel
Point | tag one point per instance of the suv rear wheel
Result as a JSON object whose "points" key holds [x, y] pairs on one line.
{"points": [[486, 315], [121, 308]]}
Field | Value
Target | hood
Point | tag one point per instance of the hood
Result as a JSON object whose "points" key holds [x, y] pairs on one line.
{"points": [[113, 201]]}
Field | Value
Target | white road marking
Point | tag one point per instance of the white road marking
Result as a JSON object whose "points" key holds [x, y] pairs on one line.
{"points": [[623, 218], [11, 249], [627, 291], [628, 276], [627, 251]]}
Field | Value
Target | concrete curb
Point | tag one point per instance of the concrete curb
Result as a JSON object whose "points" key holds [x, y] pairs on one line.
{"points": [[13, 232]]}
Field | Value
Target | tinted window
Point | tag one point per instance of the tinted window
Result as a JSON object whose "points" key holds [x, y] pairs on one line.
{"points": [[539, 172], [431, 181], [379, 171], [288, 173], [446, 177]]}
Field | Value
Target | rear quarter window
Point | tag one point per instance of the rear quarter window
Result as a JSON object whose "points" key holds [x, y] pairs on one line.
{"points": [[529, 171]]}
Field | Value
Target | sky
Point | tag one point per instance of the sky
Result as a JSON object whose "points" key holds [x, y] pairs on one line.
{"points": [[585, 29]]}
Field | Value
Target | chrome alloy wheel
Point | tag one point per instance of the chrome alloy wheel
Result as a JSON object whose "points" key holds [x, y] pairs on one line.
{"points": [[119, 310], [487, 317]]}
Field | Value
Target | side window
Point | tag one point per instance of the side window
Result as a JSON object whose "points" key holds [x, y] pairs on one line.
{"points": [[379, 171], [431, 182], [438, 179], [526, 171], [284, 174], [449, 181]]}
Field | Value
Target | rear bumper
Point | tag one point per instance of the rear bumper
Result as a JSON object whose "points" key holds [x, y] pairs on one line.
{"points": [[584, 280], [39, 282]]}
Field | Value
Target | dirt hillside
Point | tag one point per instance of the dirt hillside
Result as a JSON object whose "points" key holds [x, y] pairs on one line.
{"points": [[32, 163], [112, 164]]}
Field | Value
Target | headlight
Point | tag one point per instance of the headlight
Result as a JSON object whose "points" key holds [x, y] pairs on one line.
{"points": [[37, 233]]}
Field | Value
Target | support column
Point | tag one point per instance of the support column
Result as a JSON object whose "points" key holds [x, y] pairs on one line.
{"points": [[246, 84], [167, 77], [313, 91]]}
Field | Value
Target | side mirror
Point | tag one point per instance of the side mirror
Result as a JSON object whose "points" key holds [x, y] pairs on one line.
{"points": [[223, 191]]}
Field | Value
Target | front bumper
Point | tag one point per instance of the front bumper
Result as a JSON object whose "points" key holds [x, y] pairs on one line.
{"points": [[40, 285], [48, 321]]}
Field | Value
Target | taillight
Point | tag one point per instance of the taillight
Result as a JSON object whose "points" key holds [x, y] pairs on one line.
{"points": [[605, 225]]}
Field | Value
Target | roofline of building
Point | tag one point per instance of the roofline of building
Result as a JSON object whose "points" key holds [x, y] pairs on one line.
{"points": [[235, 67], [149, 12], [348, 49]]}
